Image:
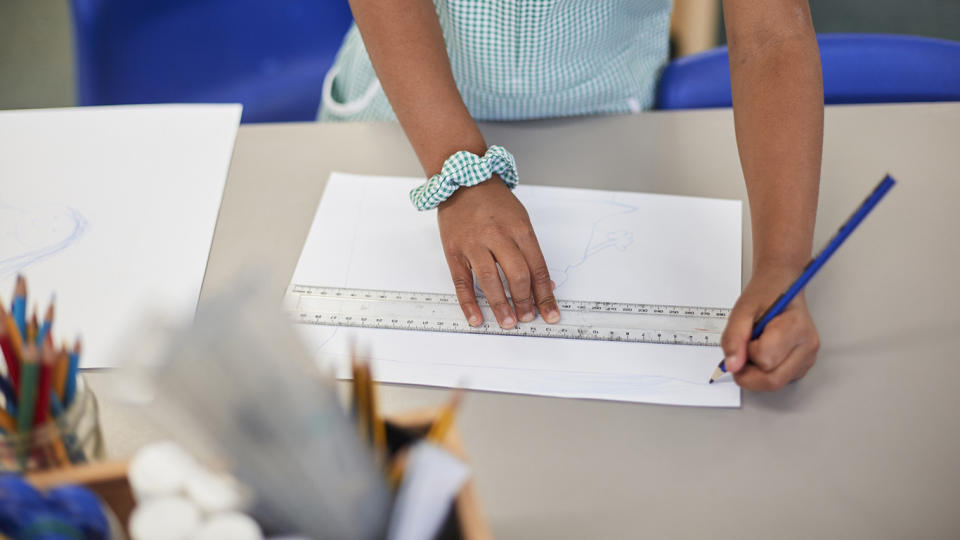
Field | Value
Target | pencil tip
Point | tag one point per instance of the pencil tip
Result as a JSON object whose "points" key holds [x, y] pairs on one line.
{"points": [[717, 373]]}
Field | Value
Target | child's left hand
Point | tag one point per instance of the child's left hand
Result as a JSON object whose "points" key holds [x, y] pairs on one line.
{"points": [[788, 347]]}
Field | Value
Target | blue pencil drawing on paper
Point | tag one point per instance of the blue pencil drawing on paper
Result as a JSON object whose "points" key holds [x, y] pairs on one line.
{"points": [[33, 234]]}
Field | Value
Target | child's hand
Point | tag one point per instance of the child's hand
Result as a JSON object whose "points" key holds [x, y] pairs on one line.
{"points": [[484, 225], [786, 349]]}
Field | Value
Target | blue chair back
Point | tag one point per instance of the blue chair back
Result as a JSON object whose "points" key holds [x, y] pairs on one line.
{"points": [[270, 55], [857, 68]]}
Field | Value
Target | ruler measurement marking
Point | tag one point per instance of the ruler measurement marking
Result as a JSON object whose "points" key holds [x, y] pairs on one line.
{"points": [[687, 325]]}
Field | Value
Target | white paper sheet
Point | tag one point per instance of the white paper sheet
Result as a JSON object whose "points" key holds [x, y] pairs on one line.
{"points": [[599, 245], [432, 479], [113, 208]]}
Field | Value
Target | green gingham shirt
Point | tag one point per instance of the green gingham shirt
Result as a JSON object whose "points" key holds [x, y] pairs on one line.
{"points": [[520, 59]]}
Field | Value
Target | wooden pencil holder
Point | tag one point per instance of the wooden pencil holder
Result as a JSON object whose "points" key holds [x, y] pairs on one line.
{"points": [[72, 438]]}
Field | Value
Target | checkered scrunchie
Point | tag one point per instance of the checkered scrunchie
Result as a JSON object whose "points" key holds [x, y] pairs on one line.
{"points": [[465, 169]]}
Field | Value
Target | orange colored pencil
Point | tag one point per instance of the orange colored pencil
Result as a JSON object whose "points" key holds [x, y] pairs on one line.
{"points": [[443, 423], [7, 422], [60, 373], [32, 327], [10, 356]]}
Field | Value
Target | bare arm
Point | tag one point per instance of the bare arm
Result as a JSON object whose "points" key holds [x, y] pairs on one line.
{"points": [[406, 47], [778, 115], [481, 226]]}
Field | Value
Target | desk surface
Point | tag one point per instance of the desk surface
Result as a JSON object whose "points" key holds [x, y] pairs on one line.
{"points": [[866, 446]]}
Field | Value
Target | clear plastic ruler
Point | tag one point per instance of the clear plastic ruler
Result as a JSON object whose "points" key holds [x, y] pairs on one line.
{"points": [[435, 312]]}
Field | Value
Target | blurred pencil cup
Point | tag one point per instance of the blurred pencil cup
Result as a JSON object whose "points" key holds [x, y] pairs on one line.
{"points": [[70, 438]]}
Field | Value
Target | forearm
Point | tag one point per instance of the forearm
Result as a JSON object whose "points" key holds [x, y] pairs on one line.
{"points": [[406, 46], [778, 114]]}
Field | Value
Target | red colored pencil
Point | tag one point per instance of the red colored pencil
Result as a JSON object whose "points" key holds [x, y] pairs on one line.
{"points": [[48, 358]]}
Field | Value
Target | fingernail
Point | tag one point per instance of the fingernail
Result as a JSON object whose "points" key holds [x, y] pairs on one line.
{"points": [[553, 284], [508, 322], [474, 320], [728, 361], [526, 317], [552, 316]]}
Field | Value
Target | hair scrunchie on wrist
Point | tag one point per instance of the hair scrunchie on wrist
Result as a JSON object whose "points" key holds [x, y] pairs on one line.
{"points": [[465, 169]]}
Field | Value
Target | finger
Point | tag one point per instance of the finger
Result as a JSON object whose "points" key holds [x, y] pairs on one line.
{"points": [[736, 336], [542, 284], [515, 269], [463, 285], [488, 278], [795, 366], [779, 338]]}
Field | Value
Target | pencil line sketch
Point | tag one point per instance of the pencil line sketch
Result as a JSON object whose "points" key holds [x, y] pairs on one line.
{"points": [[32, 235], [598, 242]]}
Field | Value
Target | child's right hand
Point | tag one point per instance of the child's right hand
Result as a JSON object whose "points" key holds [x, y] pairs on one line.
{"points": [[485, 225]]}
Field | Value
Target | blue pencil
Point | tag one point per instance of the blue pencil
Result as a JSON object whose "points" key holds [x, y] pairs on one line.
{"points": [[19, 307], [70, 386], [46, 325], [815, 264]]}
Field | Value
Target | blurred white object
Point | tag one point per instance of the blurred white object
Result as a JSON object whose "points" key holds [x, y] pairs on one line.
{"points": [[164, 518], [229, 526], [214, 492], [431, 482], [161, 468]]}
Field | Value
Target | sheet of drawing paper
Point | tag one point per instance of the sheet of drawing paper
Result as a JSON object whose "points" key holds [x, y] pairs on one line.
{"points": [[599, 246], [113, 209]]}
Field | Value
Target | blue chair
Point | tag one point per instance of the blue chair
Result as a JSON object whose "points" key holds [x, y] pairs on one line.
{"points": [[857, 68], [270, 55]]}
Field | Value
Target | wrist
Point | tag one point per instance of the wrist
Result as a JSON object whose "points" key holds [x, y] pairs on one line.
{"points": [[781, 273], [781, 263], [481, 190]]}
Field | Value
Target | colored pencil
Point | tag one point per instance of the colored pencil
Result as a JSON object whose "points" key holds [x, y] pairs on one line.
{"points": [[441, 426], [60, 373], [815, 264], [13, 349], [32, 327], [26, 399], [10, 356], [363, 405], [47, 359], [70, 388], [44, 332], [7, 423], [19, 307], [377, 426]]}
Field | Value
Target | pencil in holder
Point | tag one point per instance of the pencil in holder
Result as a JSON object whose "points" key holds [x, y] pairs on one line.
{"points": [[70, 436]]}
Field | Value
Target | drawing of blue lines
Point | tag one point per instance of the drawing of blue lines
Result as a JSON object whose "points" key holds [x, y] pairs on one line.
{"points": [[596, 243], [30, 236]]}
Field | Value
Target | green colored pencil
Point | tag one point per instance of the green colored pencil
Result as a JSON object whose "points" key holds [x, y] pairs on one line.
{"points": [[27, 398]]}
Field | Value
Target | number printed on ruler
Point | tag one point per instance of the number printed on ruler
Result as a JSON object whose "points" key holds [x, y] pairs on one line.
{"points": [[436, 312]]}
